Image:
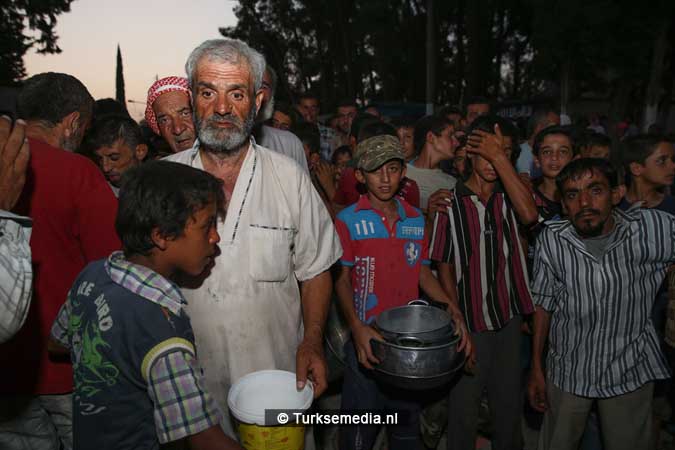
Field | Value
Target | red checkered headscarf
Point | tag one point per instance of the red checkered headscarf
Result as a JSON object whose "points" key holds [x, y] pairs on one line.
{"points": [[159, 87]]}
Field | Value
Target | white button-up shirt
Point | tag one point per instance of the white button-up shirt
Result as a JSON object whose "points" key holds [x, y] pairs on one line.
{"points": [[247, 314]]}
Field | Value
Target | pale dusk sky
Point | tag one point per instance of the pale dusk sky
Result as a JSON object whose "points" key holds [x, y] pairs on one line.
{"points": [[156, 38]]}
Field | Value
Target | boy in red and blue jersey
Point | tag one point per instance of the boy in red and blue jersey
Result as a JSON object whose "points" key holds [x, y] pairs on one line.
{"points": [[385, 259]]}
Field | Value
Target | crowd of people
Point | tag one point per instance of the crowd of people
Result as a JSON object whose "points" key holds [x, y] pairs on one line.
{"points": [[145, 268]]}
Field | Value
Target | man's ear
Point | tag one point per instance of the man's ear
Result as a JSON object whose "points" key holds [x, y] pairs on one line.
{"points": [[618, 193], [160, 241], [429, 138], [258, 100], [71, 124], [141, 152], [358, 174]]}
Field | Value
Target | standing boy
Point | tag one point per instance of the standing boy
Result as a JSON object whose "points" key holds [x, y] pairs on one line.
{"points": [[553, 149], [137, 380], [477, 247], [384, 261], [649, 161]]}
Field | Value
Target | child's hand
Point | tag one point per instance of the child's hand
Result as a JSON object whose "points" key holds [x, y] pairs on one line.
{"points": [[439, 201], [325, 173], [465, 342], [489, 146], [362, 334]]}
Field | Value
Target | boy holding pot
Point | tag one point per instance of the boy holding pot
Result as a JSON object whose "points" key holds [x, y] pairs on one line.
{"points": [[384, 261]]}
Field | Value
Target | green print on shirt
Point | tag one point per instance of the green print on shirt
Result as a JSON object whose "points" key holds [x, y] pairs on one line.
{"points": [[91, 371]]}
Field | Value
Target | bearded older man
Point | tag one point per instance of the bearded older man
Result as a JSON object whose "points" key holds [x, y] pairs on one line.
{"points": [[250, 313]]}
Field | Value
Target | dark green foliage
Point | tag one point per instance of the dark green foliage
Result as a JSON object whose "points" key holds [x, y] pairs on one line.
{"points": [[24, 24], [505, 49]]}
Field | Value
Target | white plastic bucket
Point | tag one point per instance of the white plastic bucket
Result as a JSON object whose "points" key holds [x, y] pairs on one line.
{"points": [[256, 392]]}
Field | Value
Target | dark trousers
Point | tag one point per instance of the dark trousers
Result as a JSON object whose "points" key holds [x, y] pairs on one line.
{"points": [[360, 391], [498, 369]]}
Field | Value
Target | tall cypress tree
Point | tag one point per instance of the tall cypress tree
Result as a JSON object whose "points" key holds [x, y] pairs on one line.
{"points": [[119, 81]]}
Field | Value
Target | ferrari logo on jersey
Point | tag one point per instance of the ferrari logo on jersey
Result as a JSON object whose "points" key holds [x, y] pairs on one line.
{"points": [[412, 252]]}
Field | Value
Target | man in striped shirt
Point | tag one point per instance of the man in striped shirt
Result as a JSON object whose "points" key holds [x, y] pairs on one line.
{"points": [[481, 263], [596, 275]]}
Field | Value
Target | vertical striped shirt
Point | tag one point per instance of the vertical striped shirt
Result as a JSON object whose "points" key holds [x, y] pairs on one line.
{"points": [[483, 243], [602, 342]]}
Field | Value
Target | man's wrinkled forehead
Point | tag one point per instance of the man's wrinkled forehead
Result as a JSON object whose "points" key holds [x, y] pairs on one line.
{"points": [[211, 62], [309, 101], [585, 180]]}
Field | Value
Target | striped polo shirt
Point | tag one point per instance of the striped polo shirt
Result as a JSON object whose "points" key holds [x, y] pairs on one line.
{"points": [[602, 340], [482, 242]]}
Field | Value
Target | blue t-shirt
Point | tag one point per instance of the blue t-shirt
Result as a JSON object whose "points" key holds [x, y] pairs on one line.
{"points": [[113, 335]]}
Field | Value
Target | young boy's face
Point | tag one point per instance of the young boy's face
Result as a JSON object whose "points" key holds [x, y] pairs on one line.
{"points": [[445, 143], [459, 161], [483, 169], [382, 183], [341, 164], [659, 167], [405, 135], [195, 248], [555, 153]]}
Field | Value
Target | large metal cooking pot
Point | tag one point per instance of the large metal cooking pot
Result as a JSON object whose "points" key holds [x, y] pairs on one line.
{"points": [[417, 366], [426, 323], [336, 334]]}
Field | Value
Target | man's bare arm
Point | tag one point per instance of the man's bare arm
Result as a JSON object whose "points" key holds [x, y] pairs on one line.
{"points": [[310, 361]]}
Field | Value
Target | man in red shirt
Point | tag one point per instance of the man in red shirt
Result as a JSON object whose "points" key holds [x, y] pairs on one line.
{"points": [[73, 212]]}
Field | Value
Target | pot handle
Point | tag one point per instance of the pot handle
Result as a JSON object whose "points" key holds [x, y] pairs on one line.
{"points": [[419, 301], [405, 341]]}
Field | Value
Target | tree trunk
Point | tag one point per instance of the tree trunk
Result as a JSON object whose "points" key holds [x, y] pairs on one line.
{"points": [[565, 80], [431, 58], [461, 57], [475, 34], [654, 87], [344, 33], [499, 49], [668, 81], [517, 72]]}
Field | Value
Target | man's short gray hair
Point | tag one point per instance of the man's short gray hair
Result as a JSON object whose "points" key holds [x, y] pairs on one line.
{"points": [[232, 51]]}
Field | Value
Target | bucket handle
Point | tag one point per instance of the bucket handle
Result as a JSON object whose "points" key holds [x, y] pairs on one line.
{"points": [[419, 302]]}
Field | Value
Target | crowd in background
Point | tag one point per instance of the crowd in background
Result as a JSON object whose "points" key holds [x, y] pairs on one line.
{"points": [[548, 240]]}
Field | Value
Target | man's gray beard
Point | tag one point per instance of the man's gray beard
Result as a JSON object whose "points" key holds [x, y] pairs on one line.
{"points": [[266, 112], [222, 140]]}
